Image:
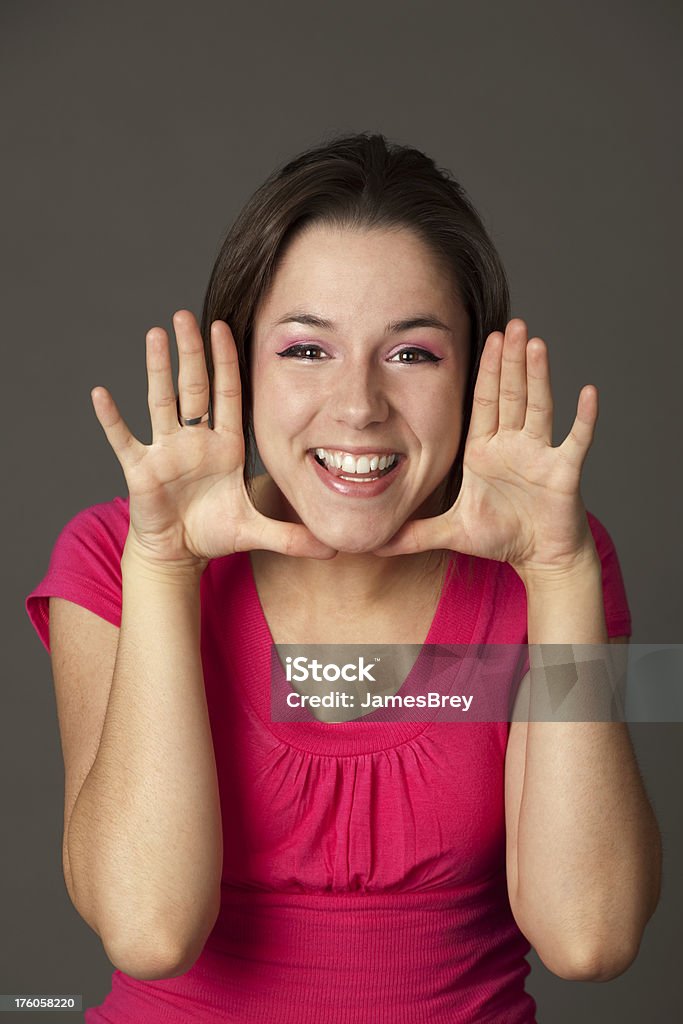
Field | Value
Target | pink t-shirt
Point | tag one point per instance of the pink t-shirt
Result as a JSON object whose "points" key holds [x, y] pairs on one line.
{"points": [[364, 866]]}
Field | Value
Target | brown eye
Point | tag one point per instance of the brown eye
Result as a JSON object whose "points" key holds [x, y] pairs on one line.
{"points": [[303, 351], [428, 357]]}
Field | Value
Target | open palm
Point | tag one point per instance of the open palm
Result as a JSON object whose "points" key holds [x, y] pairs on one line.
{"points": [[188, 499], [520, 499]]}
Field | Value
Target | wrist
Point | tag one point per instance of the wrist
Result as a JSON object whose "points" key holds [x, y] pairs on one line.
{"points": [[585, 565], [136, 557]]}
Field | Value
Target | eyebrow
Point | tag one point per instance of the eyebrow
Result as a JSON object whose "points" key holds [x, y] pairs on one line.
{"points": [[393, 327]]}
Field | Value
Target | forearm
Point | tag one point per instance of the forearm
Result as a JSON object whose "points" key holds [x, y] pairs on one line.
{"points": [[589, 852], [145, 837]]}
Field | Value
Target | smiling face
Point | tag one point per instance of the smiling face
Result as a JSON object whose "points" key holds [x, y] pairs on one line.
{"points": [[365, 382]]}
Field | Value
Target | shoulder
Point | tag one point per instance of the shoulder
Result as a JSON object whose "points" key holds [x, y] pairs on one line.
{"points": [[95, 537], [84, 566], [97, 532], [110, 519]]}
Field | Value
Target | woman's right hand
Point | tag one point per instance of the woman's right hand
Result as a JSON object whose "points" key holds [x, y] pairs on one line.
{"points": [[188, 499]]}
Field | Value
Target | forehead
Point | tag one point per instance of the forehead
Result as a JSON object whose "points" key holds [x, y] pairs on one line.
{"points": [[345, 273]]}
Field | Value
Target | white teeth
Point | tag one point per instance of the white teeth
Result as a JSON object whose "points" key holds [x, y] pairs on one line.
{"points": [[351, 464]]}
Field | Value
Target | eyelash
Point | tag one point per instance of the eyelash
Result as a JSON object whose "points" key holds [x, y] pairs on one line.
{"points": [[296, 350]]}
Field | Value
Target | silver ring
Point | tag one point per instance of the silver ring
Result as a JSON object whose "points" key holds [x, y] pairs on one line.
{"points": [[192, 421]]}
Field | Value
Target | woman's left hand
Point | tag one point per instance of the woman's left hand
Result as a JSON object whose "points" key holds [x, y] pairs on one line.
{"points": [[520, 498]]}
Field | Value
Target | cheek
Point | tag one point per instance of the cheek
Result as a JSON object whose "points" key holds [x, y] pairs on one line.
{"points": [[280, 411], [437, 421], [441, 437], [449, 408]]}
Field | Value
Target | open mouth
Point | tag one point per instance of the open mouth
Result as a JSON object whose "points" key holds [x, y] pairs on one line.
{"points": [[366, 469]]}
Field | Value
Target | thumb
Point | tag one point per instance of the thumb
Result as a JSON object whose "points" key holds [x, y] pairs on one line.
{"points": [[293, 539], [432, 534]]}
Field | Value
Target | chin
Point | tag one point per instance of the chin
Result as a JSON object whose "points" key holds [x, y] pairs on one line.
{"points": [[349, 548], [349, 543]]}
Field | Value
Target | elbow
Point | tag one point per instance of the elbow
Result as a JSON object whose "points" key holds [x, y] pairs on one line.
{"points": [[597, 968], [601, 949], [153, 963], [162, 956], [590, 963], [595, 955]]}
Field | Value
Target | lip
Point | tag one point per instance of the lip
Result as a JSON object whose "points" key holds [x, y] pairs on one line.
{"points": [[355, 450], [348, 488]]}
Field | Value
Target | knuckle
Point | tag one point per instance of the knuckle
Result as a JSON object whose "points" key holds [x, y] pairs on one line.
{"points": [[163, 401], [225, 391], [485, 403], [195, 387]]}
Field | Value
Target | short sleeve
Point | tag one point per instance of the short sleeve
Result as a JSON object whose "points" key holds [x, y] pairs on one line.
{"points": [[84, 566]]}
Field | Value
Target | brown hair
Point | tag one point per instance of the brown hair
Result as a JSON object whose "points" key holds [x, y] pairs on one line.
{"points": [[356, 181]]}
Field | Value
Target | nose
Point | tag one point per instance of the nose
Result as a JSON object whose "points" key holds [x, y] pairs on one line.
{"points": [[358, 398]]}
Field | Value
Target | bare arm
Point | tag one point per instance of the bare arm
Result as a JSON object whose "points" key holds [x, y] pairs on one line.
{"points": [[144, 840], [588, 857]]}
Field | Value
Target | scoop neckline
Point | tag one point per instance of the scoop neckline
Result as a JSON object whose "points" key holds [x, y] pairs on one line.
{"points": [[454, 622]]}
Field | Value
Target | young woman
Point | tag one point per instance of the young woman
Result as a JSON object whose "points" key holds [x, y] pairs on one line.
{"points": [[356, 332]]}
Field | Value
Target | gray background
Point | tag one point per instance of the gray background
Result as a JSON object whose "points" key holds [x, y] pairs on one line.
{"points": [[133, 134]]}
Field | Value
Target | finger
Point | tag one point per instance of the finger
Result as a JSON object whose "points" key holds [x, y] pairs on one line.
{"points": [[193, 376], [227, 386], [575, 446], [430, 534], [161, 397], [293, 539], [484, 418], [539, 407], [512, 403], [127, 448]]}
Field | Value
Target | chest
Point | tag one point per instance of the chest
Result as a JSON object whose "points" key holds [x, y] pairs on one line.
{"points": [[391, 634], [403, 616], [342, 623]]}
